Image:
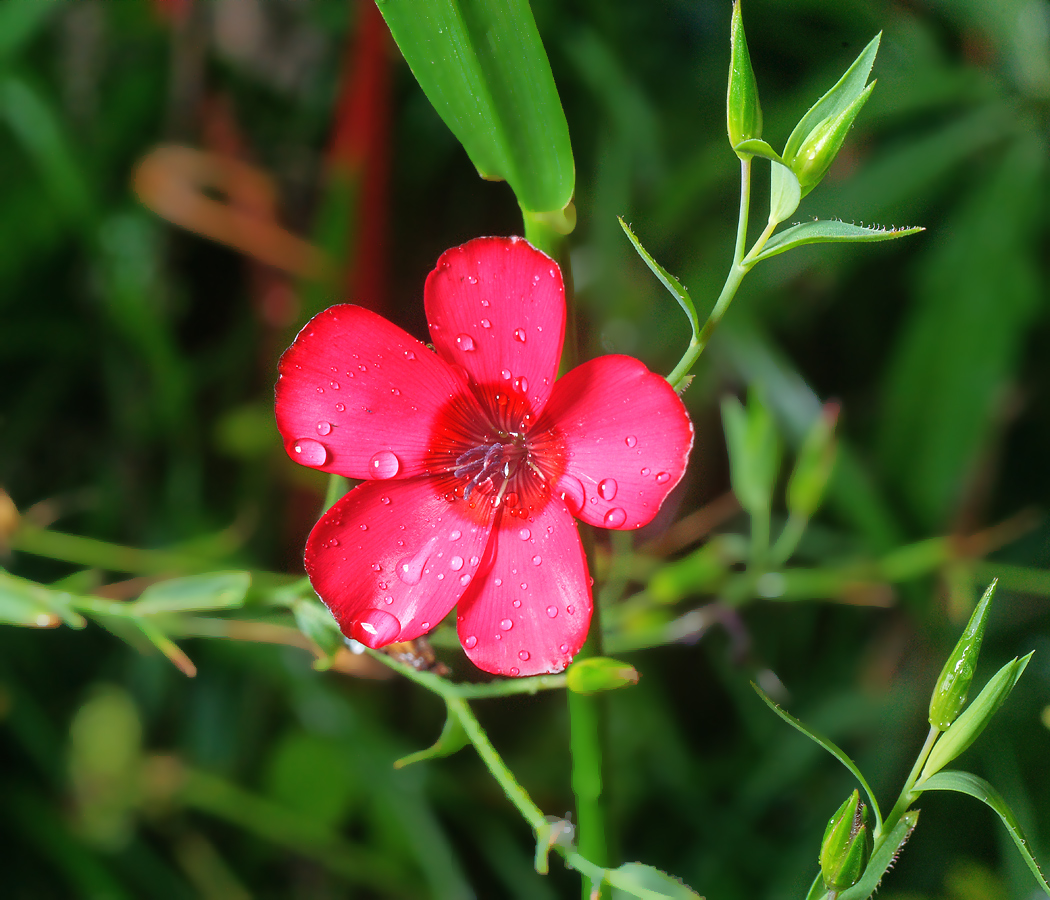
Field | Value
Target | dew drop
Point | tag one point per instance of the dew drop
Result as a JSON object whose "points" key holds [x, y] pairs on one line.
{"points": [[335, 385], [630, 440], [385, 501], [340, 407], [410, 569], [456, 563], [464, 579], [564, 648], [521, 385], [615, 517], [662, 478], [374, 628], [552, 612], [511, 499], [523, 655], [320, 390], [514, 671], [376, 567], [516, 604], [465, 342], [324, 427], [310, 452], [384, 465], [485, 303], [425, 626], [607, 488], [570, 489], [363, 526], [519, 335], [524, 534], [506, 624], [505, 374], [409, 355], [499, 581], [485, 323], [524, 586], [455, 535], [536, 560], [570, 609], [474, 560], [646, 470], [470, 642], [472, 279], [362, 368]]}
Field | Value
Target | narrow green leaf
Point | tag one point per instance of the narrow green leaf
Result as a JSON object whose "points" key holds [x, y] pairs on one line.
{"points": [[24, 602], [647, 883], [482, 65], [826, 231], [817, 889], [883, 857], [965, 783], [975, 718], [832, 748], [754, 452], [785, 192], [848, 88], [215, 590], [21, 21], [451, 739], [758, 147], [666, 279], [317, 623]]}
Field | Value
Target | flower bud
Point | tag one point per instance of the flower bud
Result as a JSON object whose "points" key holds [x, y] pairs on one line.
{"points": [[820, 147], [846, 846], [813, 467], [599, 673], [953, 684], [743, 112]]}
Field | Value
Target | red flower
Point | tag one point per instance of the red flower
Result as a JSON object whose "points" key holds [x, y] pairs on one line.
{"points": [[475, 460]]}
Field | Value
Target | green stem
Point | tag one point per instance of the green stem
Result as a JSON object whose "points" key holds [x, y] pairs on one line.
{"points": [[907, 797], [338, 485], [788, 540]]}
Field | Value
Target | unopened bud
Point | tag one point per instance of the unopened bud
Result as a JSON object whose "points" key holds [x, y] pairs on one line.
{"points": [[743, 112], [822, 145], [599, 673], [846, 846]]}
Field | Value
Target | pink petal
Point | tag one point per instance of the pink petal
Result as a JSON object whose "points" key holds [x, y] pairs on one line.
{"points": [[496, 306], [530, 614], [349, 384], [391, 559], [627, 439]]}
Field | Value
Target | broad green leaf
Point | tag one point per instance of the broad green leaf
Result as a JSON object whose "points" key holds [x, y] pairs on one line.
{"points": [[965, 783], [215, 590], [451, 739], [483, 67], [666, 279], [848, 88], [832, 748], [785, 193], [647, 883], [24, 602], [975, 718], [829, 231], [758, 147], [883, 857]]}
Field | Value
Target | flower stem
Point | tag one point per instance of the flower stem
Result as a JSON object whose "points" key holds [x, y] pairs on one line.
{"points": [[906, 797]]}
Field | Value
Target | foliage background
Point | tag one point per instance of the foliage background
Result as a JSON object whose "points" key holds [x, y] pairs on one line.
{"points": [[137, 362]]}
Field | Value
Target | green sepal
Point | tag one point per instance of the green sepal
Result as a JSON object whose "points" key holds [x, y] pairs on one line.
{"points": [[819, 150], [451, 739], [666, 279], [647, 883], [215, 590], [755, 147], [814, 464], [953, 684], [828, 745], [966, 783], [975, 718], [785, 192], [882, 858], [24, 602], [836, 101], [828, 232], [743, 111], [599, 673], [482, 65], [754, 452], [846, 846], [317, 623]]}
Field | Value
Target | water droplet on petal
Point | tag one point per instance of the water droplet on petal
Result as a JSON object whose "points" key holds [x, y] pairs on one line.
{"points": [[607, 488], [630, 440], [524, 534], [425, 626], [455, 535], [552, 612], [523, 655], [519, 335], [410, 569], [506, 624], [662, 478], [564, 648], [570, 489], [499, 581], [570, 609], [465, 342], [456, 563], [376, 567], [474, 560], [615, 517], [516, 604], [524, 586], [505, 374], [521, 385], [485, 323], [384, 465], [335, 385], [536, 560], [485, 303], [375, 628], [514, 671], [324, 427], [310, 452], [409, 355], [646, 470], [385, 501], [470, 642], [511, 499], [340, 407], [464, 579]]}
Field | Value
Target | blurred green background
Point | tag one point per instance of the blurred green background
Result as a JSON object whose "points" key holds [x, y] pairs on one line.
{"points": [[136, 368]]}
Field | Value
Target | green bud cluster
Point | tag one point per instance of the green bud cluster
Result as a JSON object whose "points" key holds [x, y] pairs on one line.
{"points": [[847, 845]]}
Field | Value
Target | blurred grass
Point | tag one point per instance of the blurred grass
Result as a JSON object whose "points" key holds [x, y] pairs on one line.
{"points": [[137, 365]]}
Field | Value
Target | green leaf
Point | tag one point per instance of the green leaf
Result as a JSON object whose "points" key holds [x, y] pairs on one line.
{"points": [[754, 452], [451, 739], [975, 718], [24, 602], [648, 883], [215, 590], [743, 111], [836, 101], [965, 783], [483, 67], [829, 231], [757, 147], [883, 857], [832, 748], [666, 279], [317, 623], [785, 193]]}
